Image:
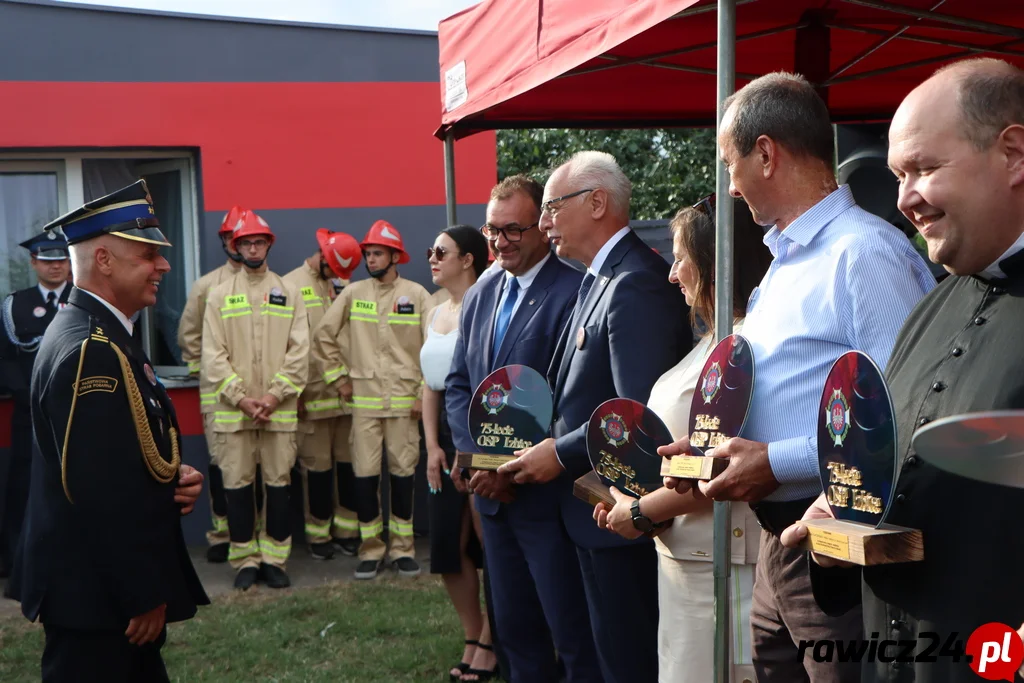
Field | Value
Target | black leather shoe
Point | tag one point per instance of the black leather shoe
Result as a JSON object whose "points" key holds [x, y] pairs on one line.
{"points": [[245, 578], [218, 553], [274, 577]]}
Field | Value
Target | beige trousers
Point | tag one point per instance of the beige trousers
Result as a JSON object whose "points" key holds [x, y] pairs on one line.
{"points": [[219, 533], [239, 452], [686, 625], [401, 436]]}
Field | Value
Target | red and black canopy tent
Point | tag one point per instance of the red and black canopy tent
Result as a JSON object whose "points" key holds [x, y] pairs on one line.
{"points": [[670, 63]]}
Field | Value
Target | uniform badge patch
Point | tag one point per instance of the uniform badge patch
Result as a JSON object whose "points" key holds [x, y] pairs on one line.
{"points": [[614, 429], [87, 385], [39, 311], [278, 299], [712, 382], [150, 375], [494, 399], [405, 309], [837, 419]]}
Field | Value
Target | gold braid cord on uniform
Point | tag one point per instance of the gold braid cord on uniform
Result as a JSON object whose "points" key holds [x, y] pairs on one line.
{"points": [[161, 470]]}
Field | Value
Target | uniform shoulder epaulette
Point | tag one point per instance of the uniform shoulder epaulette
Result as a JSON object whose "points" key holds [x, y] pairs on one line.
{"points": [[161, 470]]}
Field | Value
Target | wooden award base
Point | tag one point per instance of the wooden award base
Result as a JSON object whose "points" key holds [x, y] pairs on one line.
{"points": [[482, 461], [862, 544], [590, 489], [693, 467]]}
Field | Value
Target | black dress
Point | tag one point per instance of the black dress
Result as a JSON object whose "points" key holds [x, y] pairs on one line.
{"points": [[446, 510]]}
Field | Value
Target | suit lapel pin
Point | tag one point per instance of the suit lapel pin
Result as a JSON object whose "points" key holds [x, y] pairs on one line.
{"points": [[150, 375], [532, 301], [581, 337]]}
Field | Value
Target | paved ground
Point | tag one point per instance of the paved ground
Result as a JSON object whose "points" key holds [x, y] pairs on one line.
{"points": [[304, 571]]}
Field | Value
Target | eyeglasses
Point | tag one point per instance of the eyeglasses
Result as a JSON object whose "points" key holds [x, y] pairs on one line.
{"points": [[438, 252], [707, 205], [245, 244], [512, 232], [549, 207]]}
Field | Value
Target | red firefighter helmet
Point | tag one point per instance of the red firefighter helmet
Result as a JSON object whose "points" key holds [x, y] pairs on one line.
{"points": [[341, 251], [384, 234], [249, 225], [227, 226]]}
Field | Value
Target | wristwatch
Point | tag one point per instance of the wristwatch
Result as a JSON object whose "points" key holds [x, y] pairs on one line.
{"points": [[641, 522]]}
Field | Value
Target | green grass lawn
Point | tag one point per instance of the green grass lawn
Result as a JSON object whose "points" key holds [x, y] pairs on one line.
{"points": [[387, 630]]}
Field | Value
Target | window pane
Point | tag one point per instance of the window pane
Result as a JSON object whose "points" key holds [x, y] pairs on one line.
{"points": [[28, 201], [165, 188]]}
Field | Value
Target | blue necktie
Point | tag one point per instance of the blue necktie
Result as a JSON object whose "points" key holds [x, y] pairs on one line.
{"points": [[588, 281], [505, 315]]}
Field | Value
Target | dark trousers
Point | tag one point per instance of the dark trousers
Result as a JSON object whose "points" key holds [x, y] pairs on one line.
{"points": [[539, 602], [75, 656], [622, 592], [783, 612], [15, 483]]}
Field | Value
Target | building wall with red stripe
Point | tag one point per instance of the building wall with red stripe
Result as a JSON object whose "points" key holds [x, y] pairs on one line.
{"points": [[312, 126]]}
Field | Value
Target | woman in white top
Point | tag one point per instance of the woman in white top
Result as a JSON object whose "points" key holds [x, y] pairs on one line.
{"points": [[457, 259], [685, 581]]}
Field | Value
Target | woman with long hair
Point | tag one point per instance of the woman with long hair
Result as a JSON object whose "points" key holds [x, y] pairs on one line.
{"points": [[685, 580], [457, 259]]}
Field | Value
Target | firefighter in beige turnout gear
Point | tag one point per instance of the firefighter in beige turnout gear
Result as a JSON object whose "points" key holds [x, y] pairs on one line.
{"points": [[255, 364], [369, 344], [190, 340], [324, 420]]}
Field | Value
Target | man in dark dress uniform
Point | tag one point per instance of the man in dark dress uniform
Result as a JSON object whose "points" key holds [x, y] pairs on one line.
{"points": [[25, 316], [103, 562], [957, 146]]}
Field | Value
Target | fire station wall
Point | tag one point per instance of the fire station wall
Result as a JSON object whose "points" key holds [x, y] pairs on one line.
{"points": [[311, 126]]}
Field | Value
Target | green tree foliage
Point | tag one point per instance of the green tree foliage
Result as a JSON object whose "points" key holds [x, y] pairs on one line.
{"points": [[669, 168]]}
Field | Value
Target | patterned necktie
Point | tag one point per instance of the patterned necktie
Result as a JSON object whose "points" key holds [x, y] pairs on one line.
{"points": [[505, 316], [585, 286]]}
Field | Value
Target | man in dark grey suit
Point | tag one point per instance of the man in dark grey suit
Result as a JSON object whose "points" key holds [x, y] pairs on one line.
{"points": [[513, 316], [629, 327]]}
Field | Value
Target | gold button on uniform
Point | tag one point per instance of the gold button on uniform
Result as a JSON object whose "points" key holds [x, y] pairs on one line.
{"points": [[737, 532]]}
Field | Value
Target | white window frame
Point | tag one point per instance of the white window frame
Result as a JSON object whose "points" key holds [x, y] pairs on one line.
{"points": [[71, 186], [41, 165]]}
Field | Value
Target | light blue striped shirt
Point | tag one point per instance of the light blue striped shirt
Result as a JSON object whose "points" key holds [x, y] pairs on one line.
{"points": [[842, 279]]}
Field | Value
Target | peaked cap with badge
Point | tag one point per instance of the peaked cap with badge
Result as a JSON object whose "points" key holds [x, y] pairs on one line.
{"points": [[47, 246], [127, 213]]}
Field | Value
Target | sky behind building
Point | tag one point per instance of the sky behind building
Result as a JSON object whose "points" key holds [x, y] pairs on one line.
{"points": [[406, 14]]}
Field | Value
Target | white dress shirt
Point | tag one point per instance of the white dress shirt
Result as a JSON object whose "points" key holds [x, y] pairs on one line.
{"points": [[602, 253], [525, 280], [994, 271], [120, 316], [46, 292]]}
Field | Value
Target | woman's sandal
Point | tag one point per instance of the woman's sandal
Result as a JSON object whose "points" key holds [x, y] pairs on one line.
{"points": [[482, 674], [463, 667]]}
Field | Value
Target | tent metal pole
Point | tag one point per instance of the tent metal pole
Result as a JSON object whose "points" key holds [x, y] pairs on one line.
{"points": [[880, 44], [960, 22], [1000, 48], [449, 177], [722, 560]]}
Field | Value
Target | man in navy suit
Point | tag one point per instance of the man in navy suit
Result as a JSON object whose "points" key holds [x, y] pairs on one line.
{"points": [[513, 316], [628, 327]]}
